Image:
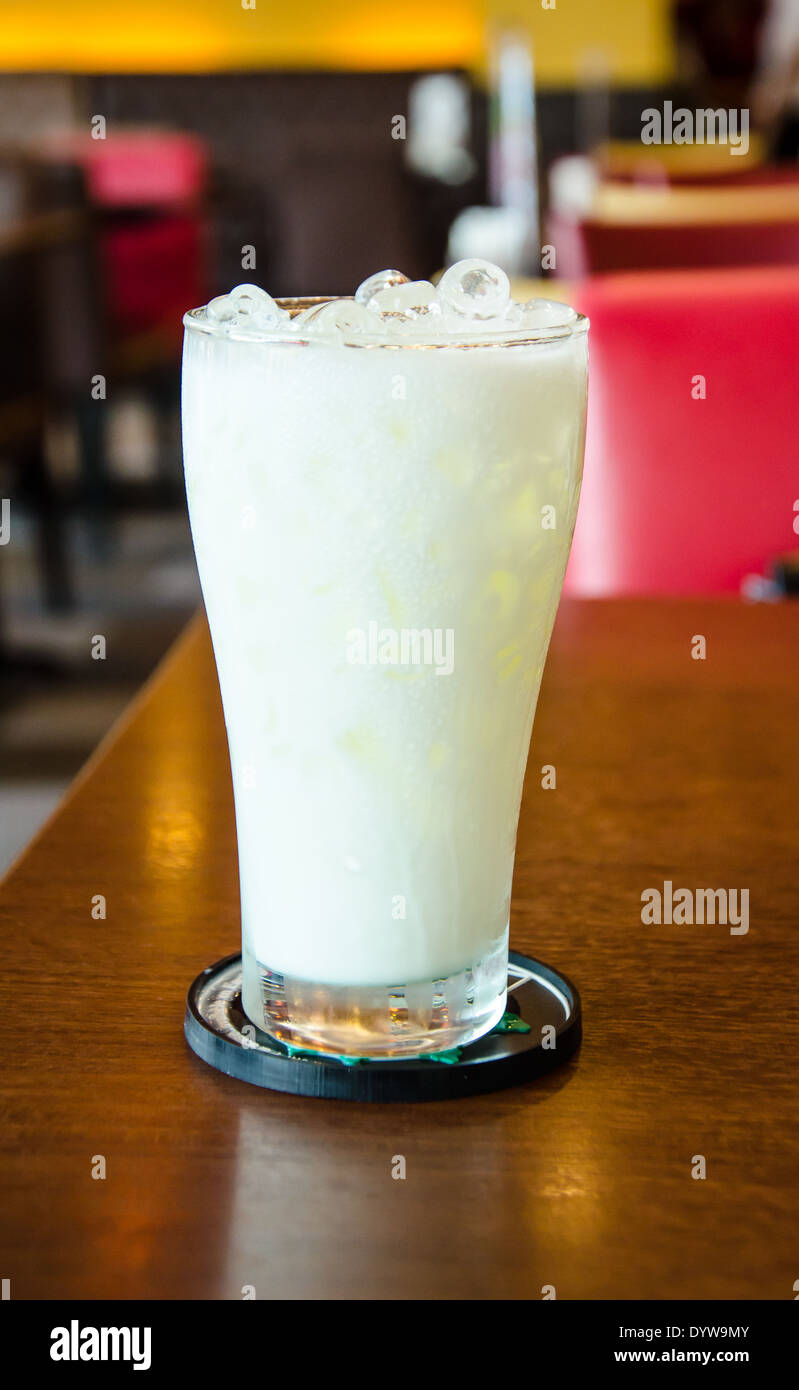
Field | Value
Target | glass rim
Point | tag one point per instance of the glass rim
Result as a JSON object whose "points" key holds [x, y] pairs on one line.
{"points": [[521, 337]]}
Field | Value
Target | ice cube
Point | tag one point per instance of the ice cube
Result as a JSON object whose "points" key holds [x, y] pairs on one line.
{"points": [[268, 320], [382, 280], [221, 310], [413, 298], [475, 288], [513, 316], [338, 317], [547, 313], [250, 301]]}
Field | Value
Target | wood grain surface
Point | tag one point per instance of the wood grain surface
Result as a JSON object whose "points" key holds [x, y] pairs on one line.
{"points": [[668, 768]]}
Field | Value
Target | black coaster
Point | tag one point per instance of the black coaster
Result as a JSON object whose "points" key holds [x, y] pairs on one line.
{"points": [[541, 1029]]}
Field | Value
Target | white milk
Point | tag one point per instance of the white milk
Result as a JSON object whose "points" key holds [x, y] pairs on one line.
{"points": [[351, 506]]}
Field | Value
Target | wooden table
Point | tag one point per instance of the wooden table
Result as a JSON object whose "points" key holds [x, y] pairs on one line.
{"points": [[668, 768]]}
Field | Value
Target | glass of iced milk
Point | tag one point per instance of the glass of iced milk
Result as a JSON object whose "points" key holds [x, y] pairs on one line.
{"points": [[382, 494]]}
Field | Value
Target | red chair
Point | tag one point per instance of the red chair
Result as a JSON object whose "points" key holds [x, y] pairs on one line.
{"points": [[154, 270], [148, 188], [138, 167], [684, 495]]}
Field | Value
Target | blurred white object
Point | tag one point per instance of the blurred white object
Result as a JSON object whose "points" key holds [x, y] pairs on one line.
{"points": [[513, 152], [757, 588], [500, 235], [132, 439], [573, 181], [439, 125]]}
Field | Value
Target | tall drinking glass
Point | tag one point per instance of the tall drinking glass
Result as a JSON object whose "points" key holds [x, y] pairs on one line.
{"points": [[381, 530]]}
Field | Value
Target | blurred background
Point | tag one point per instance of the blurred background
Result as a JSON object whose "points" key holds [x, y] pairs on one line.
{"points": [[153, 156]]}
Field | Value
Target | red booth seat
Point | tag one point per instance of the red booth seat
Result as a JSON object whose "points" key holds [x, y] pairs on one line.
{"points": [[592, 246], [684, 495]]}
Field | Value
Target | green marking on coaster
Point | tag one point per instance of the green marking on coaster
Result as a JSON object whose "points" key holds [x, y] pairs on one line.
{"points": [[322, 1056], [511, 1023], [449, 1058]]}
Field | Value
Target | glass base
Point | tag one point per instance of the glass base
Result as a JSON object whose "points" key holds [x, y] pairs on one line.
{"points": [[377, 1021]]}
